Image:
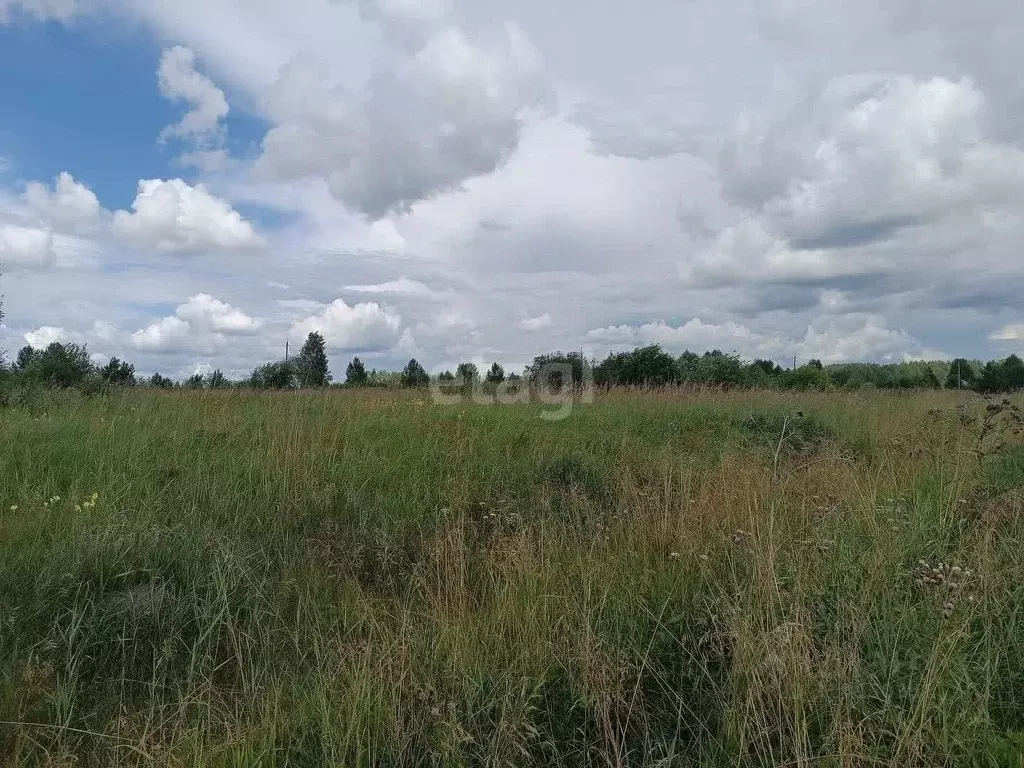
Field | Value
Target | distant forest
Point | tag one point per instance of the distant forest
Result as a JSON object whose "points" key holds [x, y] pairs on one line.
{"points": [[69, 366]]}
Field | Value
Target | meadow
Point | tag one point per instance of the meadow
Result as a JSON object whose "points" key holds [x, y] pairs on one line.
{"points": [[335, 578]]}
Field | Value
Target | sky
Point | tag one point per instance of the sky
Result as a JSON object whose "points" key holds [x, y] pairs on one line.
{"points": [[190, 184]]}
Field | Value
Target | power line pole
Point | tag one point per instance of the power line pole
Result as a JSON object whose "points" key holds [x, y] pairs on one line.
{"points": [[286, 350]]}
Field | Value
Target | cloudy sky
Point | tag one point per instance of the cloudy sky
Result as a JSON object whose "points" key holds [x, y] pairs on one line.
{"points": [[191, 183]]}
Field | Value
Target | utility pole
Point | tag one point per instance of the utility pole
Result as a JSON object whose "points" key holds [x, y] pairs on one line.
{"points": [[286, 350]]}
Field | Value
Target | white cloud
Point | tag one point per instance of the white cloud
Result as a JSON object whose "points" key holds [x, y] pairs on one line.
{"points": [[869, 156], [207, 313], [173, 217], [846, 180], [402, 287], [534, 324], [430, 120], [61, 10], [68, 205], [25, 247], [202, 322], [48, 334], [179, 81], [855, 336], [168, 332], [362, 327], [1010, 333]]}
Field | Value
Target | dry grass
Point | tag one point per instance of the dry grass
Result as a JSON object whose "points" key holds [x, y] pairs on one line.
{"points": [[662, 579]]}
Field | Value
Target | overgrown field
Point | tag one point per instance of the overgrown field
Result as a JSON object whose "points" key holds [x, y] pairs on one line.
{"points": [[348, 579]]}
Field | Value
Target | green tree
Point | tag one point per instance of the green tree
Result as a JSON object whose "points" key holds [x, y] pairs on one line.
{"points": [[61, 365], [311, 364], [929, 380], [217, 380], [548, 369], [195, 381], [24, 359], [118, 373], [160, 382], [467, 373], [414, 375], [688, 366], [355, 374], [496, 375], [1002, 376], [1013, 373], [279, 375], [717, 367], [805, 377], [961, 375]]}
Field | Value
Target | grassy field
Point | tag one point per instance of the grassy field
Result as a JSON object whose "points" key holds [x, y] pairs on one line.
{"points": [[355, 579]]}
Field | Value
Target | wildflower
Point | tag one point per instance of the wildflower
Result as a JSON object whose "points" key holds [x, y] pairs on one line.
{"points": [[78, 508], [674, 555], [14, 507]]}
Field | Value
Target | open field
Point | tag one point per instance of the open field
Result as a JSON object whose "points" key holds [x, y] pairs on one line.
{"points": [[357, 579]]}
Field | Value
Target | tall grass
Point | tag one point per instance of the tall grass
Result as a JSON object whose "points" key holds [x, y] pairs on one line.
{"points": [[345, 579]]}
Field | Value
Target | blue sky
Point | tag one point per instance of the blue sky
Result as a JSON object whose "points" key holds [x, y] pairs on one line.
{"points": [[189, 187], [77, 103], [84, 99]]}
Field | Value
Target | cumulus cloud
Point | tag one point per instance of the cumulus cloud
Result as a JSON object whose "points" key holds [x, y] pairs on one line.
{"points": [[867, 154], [365, 327], [47, 335], [854, 336], [68, 205], [25, 247], [173, 217], [179, 81], [867, 157], [201, 322], [424, 124]]}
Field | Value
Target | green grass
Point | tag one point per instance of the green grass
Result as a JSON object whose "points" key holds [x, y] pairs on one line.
{"points": [[354, 579]]}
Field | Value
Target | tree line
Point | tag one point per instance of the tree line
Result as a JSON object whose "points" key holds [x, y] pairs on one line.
{"points": [[66, 365]]}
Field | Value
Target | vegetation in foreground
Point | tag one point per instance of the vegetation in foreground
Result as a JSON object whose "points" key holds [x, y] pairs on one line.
{"points": [[369, 579]]}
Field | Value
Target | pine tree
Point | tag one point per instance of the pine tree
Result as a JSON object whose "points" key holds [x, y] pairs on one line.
{"points": [[118, 372], [414, 375], [25, 356], [312, 362], [355, 374], [496, 375]]}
